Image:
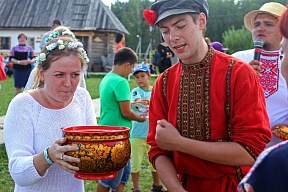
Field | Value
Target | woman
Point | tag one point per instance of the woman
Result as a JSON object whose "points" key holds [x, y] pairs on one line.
{"points": [[57, 32], [22, 56], [34, 120]]}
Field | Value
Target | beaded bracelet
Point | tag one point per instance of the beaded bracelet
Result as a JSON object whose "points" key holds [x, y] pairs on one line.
{"points": [[47, 157]]}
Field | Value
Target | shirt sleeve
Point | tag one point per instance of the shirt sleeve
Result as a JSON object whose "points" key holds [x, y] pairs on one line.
{"points": [[250, 121], [122, 91], [135, 94]]}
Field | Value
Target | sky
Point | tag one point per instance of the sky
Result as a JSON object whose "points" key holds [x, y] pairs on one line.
{"points": [[108, 2]]}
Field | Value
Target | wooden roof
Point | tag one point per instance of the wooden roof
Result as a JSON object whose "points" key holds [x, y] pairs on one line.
{"points": [[86, 15]]}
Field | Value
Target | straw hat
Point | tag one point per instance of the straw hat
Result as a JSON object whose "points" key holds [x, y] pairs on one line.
{"points": [[271, 8]]}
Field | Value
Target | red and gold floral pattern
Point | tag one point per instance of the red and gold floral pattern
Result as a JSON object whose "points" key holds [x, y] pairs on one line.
{"points": [[100, 152]]}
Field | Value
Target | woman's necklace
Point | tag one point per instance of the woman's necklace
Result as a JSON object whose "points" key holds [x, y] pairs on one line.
{"points": [[46, 99]]}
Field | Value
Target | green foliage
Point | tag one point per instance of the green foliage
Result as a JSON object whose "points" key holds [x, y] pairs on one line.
{"points": [[6, 182], [131, 15], [223, 15], [6, 94], [237, 40]]}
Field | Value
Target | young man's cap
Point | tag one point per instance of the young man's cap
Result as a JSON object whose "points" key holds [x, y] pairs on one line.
{"points": [[271, 8], [140, 67], [162, 9], [218, 46]]}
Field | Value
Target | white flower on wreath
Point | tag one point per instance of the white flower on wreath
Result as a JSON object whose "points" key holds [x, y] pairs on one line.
{"points": [[80, 49], [61, 47], [42, 56], [60, 42], [51, 46]]}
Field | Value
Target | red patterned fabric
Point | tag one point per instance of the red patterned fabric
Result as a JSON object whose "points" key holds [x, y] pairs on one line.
{"points": [[269, 77]]}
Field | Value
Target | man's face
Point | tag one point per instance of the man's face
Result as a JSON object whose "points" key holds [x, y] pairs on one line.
{"points": [[265, 27], [183, 35]]}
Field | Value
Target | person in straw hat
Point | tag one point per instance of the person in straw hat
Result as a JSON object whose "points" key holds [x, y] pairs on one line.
{"points": [[263, 24], [202, 127], [270, 171]]}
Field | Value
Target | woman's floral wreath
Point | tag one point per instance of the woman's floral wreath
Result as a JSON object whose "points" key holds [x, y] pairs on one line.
{"points": [[56, 34], [61, 45]]}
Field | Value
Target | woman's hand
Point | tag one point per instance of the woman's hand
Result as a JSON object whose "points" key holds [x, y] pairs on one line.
{"points": [[57, 155]]}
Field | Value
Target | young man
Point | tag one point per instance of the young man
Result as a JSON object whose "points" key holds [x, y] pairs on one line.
{"points": [[55, 23], [141, 95], [207, 115], [115, 108], [263, 24]]}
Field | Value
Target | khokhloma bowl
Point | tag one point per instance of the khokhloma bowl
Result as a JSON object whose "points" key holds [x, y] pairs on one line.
{"points": [[103, 150]]}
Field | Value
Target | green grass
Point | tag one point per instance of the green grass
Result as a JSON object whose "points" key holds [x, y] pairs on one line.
{"points": [[92, 83]]}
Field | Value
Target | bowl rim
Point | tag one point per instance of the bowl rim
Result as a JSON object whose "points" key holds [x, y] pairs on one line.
{"points": [[88, 129]]}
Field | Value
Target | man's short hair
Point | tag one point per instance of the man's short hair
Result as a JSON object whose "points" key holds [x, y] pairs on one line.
{"points": [[57, 22], [124, 55]]}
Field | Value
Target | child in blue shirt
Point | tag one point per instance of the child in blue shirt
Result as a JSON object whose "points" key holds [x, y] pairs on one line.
{"points": [[140, 96]]}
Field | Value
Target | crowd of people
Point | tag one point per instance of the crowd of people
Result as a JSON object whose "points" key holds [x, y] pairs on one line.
{"points": [[205, 124]]}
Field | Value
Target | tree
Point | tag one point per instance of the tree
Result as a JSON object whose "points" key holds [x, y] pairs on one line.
{"points": [[223, 14], [131, 15], [225, 17], [237, 39]]}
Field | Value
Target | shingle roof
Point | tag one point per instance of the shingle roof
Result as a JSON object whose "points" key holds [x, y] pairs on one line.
{"points": [[75, 14]]}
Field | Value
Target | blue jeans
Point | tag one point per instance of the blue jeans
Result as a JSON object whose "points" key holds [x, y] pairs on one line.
{"points": [[123, 177]]}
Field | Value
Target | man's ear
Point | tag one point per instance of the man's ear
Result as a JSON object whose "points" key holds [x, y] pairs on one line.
{"points": [[202, 21], [127, 64], [149, 76]]}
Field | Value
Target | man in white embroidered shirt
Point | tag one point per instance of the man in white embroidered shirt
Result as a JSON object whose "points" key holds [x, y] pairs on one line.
{"points": [[263, 24]]}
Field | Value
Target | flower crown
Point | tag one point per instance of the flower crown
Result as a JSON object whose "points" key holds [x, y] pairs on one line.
{"points": [[150, 16], [56, 34], [61, 45]]}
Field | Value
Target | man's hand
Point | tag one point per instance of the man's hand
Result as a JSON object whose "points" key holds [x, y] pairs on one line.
{"points": [[256, 66], [167, 136]]}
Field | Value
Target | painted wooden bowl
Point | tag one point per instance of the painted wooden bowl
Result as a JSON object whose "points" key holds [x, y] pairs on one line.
{"points": [[103, 150]]}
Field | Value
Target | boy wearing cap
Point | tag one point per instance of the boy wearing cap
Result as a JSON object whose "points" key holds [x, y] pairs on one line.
{"points": [[263, 24], [115, 108], [141, 95], [207, 115]]}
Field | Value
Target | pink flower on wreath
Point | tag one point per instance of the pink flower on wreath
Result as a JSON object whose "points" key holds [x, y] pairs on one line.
{"points": [[150, 16]]}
